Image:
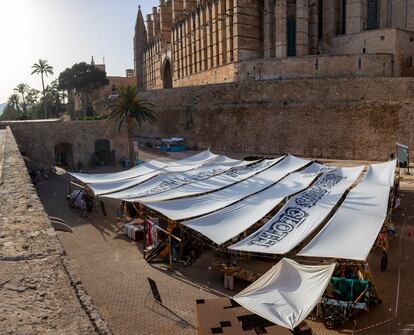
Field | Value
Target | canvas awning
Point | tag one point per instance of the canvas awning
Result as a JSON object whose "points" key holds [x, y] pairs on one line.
{"points": [[162, 180], [287, 293], [301, 215], [352, 231], [196, 206], [230, 177], [231, 221], [381, 174], [148, 167]]}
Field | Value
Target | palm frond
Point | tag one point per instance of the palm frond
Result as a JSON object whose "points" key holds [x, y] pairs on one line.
{"points": [[42, 67]]}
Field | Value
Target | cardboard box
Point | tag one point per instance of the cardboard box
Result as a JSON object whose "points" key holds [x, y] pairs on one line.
{"points": [[225, 316]]}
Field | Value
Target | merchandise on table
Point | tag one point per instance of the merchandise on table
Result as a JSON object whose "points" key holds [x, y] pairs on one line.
{"points": [[134, 232]]}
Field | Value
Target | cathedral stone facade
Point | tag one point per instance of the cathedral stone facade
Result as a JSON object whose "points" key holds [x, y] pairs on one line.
{"points": [[201, 42]]}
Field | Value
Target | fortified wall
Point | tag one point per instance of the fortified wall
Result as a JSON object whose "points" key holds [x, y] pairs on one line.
{"points": [[39, 291], [77, 141], [358, 118]]}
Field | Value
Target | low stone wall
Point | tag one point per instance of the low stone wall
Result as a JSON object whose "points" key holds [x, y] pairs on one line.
{"points": [[327, 118], [37, 140], [39, 291]]}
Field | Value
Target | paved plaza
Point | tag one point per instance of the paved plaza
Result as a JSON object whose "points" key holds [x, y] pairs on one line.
{"points": [[114, 274]]}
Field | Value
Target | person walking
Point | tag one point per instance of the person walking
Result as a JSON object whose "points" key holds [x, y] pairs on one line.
{"points": [[83, 207]]}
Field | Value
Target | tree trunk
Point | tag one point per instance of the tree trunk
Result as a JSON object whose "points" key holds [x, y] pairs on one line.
{"points": [[131, 151], [24, 103], [44, 97], [83, 99]]}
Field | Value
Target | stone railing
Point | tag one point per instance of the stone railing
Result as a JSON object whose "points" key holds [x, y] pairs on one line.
{"points": [[39, 291]]}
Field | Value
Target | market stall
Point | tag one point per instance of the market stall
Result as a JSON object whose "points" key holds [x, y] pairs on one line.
{"points": [[262, 211]]}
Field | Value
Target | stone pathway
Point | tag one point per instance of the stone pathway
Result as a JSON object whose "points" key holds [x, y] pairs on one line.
{"points": [[114, 272]]}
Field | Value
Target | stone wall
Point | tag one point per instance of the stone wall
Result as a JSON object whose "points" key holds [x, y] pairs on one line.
{"points": [[327, 118], [398, 42], [219, 75], [39, 292], [37, 140], [322, 66]]}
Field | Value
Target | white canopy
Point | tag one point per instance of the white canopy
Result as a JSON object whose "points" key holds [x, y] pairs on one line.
{"points": [[167, 181], [172, 139], [301, 215], [229, 222], [195, 159], [228, 178], [148, 167], [352, 231], [114, 186], [134, 172], [381, 174], [161, 180], [192, 207], [287, 293]]}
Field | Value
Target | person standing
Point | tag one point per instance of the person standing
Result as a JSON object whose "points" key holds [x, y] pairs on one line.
{"points": [[83, 207], [229, 277]]}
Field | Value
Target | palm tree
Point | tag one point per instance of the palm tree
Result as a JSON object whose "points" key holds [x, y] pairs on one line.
{"points": [[129, 108], [13, 102], [23, 89], [12, 110], [43, 68]]}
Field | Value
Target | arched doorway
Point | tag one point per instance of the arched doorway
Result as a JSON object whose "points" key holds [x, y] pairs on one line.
{"points": [[167, 75], [103, 153], [64, 155]]}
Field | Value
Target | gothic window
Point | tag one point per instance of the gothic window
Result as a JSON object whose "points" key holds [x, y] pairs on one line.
{"points": [[320, 19], [291, 36], [342, 17], [372, 14]]}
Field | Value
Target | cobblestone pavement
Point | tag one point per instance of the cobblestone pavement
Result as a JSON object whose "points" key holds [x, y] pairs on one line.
{"points": [[115, 275]]}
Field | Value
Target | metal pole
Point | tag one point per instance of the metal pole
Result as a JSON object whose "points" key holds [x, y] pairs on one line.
{"points": [[408, 161]]}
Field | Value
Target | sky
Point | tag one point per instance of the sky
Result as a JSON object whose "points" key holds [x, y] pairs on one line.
{"points": [[65, 32]]}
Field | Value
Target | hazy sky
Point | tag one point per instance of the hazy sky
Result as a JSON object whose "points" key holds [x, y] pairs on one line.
{"points": [[64, 32]]}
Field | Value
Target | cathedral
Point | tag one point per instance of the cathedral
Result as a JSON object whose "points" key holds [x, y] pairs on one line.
{"points": [[201, 42]]}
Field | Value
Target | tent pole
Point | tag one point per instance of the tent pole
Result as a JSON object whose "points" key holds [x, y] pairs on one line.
{"points": [[145, 236], [69, 184], [169, 242]]}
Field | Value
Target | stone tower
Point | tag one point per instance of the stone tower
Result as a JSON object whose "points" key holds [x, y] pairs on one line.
{"points": [[140, 44]]}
